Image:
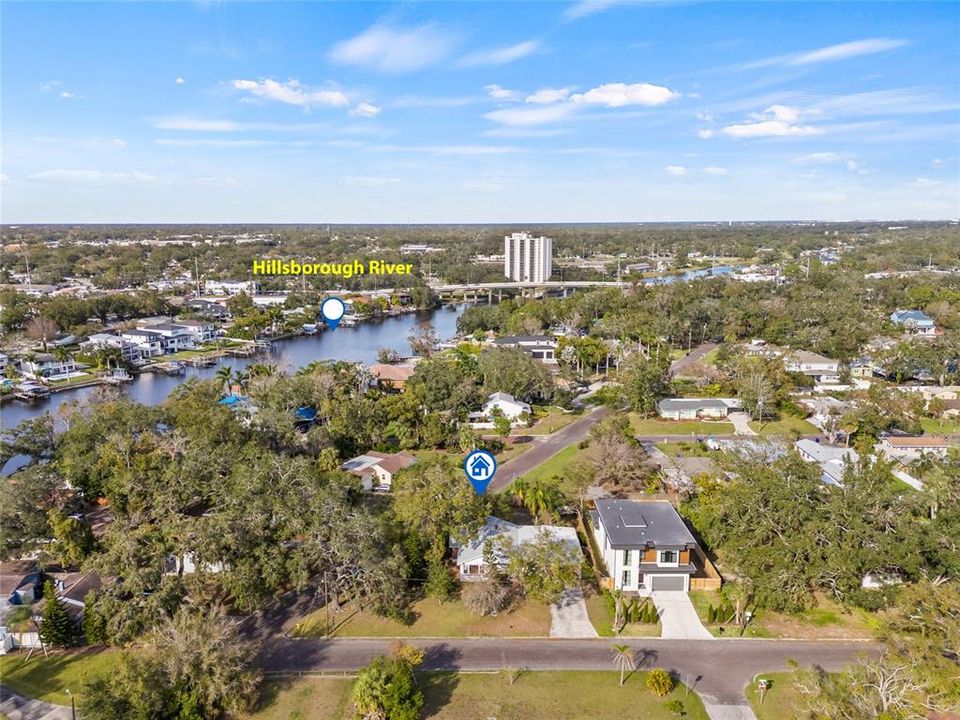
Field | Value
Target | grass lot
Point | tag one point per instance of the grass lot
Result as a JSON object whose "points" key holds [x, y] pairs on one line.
{"points": [[549, 422], [603, 622], [827, 620], [555, 465], [785, 426], [450, 696], [685, 449], [940, 427], [48, 678], [656, 426], [781, 700], [451, 619]]}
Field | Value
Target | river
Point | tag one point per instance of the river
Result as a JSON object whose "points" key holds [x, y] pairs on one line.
{"points": [[359, 343]]}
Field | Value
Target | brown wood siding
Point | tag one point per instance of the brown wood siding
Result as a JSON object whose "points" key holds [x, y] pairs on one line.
{"points": [[684, 557], [650, 556]]}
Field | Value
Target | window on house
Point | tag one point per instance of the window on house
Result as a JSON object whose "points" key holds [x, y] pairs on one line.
{"points": [[668, 557], [625, 578], [626, 557]]}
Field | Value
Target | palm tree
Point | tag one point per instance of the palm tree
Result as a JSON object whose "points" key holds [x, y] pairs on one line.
{"points": [[241, 378], [60, 354], [225, 375], [623, 659], [520, 490]]}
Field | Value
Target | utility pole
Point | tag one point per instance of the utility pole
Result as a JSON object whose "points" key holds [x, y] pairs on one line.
{"points": [[326, 605]]}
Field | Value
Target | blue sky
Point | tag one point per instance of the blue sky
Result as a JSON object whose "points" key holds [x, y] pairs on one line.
{"points": [[479, 112]]}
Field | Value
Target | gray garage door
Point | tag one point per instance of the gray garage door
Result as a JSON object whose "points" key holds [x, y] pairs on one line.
{"points": [[667, 582]]}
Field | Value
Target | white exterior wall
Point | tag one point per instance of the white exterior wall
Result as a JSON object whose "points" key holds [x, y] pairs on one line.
{"points": [[527, 258]]}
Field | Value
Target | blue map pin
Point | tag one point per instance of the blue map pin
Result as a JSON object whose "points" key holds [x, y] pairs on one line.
{"points": [[332, 310], [480, 467]]}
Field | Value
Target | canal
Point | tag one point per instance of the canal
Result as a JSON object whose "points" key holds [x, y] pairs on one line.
{"points": [[359, 343]]}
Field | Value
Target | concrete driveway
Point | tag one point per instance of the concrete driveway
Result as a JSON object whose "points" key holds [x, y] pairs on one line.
{"points": [[741, 423], [568, 617], [678, 619]]}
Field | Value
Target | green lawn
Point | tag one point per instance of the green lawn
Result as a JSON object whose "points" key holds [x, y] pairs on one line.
{"points": [[509, 452], [85, 378], [603, 622], [786, 425], [781, 701], [940, 427], [49, 678], [555, 465], [549, 422], [656, 426], [451, 619], [451, 696]]}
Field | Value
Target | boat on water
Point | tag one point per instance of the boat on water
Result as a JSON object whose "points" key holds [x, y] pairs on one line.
{"points": [[309, 329], [28, 392]]}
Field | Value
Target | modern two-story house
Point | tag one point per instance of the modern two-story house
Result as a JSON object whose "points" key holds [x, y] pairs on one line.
{"points": [[645, 545]]}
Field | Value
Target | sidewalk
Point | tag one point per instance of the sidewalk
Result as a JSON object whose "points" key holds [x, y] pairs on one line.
{"points": [[17, 707]]}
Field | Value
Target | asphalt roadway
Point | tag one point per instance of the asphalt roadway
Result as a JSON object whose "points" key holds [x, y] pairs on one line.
{"points": [[544, 448], [717, 669]]}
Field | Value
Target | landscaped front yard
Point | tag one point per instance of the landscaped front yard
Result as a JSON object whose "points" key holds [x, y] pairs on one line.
{"points": [[602, 620], [450, 696], [49, 678], [940, 427], [657, 426], [431, 619], [827, 620]]}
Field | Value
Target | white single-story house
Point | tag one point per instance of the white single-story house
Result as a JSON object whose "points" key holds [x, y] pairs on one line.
{"points": [[693, 408], [914, 322], [907, 448], [645, 545], [507, 404], [376, 470], [501, 533]]}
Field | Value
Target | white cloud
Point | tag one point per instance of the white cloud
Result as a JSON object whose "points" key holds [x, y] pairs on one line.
{"points": [[847, 50], [548, 95], [501, 93], [67, 95], [519, 132], [222, 143], [620, 94], [367, 181], [179, 81], [194, 124], [817, 158], [831, 53], [395, 50], [365, 109], [4, 179], [677, 170], [770, 128], [501, 55], [92, 177], [454, 150], [291, 93], [706, 134], [530, 116], [48, 85], [775, 121], [704, 117], [585, 8], [936, 162], [713, 170], [852, 165]]}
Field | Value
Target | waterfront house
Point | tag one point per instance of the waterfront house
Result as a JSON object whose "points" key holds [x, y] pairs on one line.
{"points": [[45, 365], [391, 377], [645, 546]]}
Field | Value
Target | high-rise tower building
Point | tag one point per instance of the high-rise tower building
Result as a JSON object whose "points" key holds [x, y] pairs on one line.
{"points": [[527, 258]]}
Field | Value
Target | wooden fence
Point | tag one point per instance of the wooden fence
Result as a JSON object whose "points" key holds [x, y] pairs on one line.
{"points": [[707, 577]]}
